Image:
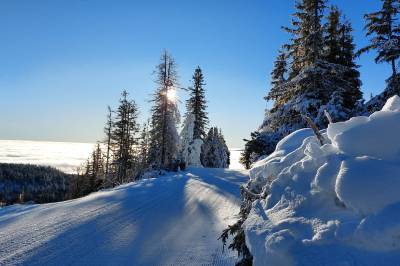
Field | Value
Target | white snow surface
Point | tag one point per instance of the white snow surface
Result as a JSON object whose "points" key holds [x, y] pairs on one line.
{"points": [[338, 204], [172, 220]]}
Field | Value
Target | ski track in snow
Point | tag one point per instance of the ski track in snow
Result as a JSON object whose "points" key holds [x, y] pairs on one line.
{"points": [[173, 220]]}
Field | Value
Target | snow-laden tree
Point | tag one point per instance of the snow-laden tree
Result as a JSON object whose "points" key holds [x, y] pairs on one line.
{"points": [[384, 29], [190, 148], [314, 72], [278, 77], [164, 138], [215, 152], [124, 138], [197, 105]]}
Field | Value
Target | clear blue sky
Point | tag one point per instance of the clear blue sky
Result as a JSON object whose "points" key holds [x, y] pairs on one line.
{"points": [[63, 62]]}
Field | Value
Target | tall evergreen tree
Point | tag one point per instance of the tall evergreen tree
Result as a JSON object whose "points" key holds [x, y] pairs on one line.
{"points": [[384, 29], [278, 78], [196, 104], [315, 71], [340, 50], [305, 46], [351, 75], [165, 116], [124, 138], [108, 130], [144, 146]]}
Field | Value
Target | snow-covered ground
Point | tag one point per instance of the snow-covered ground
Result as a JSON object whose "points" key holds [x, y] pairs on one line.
{"points": [[336, 204], [173, 220], [65, 156]]}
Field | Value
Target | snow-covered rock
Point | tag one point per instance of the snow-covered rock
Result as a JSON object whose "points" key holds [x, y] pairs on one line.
{"points": [[336, 204]]}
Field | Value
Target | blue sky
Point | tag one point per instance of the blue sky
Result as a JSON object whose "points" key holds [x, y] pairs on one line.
{"points": [[63, 62]]}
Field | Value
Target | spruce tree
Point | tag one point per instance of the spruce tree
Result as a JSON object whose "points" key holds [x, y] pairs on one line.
{"points": [[339, 51], [108, 130], [165, 116], [307, 40], [196, 104], [215, 152], [124, 138], [278, 78], [144, 146], [384, 29], [351, 75]]}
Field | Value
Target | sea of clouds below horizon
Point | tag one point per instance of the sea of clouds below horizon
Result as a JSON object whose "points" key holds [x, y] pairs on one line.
{"points": [[65, 156]]}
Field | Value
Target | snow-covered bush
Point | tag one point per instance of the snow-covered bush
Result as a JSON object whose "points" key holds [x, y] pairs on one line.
{"points": [[334, 204]]}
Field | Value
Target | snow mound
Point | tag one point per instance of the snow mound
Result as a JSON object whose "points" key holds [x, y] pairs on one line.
{"points": [[336, 204]]}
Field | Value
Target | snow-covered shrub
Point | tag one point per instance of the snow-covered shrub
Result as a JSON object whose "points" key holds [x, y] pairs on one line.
{"points": [[333, 204]]}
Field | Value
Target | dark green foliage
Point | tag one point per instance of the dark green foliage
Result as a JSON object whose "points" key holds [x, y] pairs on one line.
{"points": [[40, 184], [278, 77], [196, 104], [254, 148], [94, 172], [236, 230], [124, 138], [305, 46]]}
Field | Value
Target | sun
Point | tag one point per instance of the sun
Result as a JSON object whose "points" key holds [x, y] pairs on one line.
{"points": [[171, 95]]}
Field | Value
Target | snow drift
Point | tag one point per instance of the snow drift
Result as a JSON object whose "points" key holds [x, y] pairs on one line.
{"points": [[333, 204]]}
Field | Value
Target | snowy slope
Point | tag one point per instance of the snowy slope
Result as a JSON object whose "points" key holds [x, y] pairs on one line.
{"points": [[336, 204], [173, 220]]}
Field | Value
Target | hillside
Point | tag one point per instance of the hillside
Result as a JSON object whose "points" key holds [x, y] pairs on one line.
{"points": [[173, 220]]}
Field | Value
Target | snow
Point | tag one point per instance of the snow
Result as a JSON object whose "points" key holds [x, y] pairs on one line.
{"points": [[172, 220], [234, 159], [336, 204]]}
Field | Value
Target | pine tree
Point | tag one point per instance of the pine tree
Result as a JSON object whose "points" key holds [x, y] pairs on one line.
{"points": [[108, 130], [254, 148], [215, 153], [94, 172], [333, 30], [351, 75], [385, 31], [165, 116], [278, 78], [307, 40], [144, 146], [339, 52], [124, 138], [313, 72], [196, 105]]}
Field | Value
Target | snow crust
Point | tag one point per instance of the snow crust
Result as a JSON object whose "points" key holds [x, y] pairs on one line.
{"points": [[336, 204]]}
